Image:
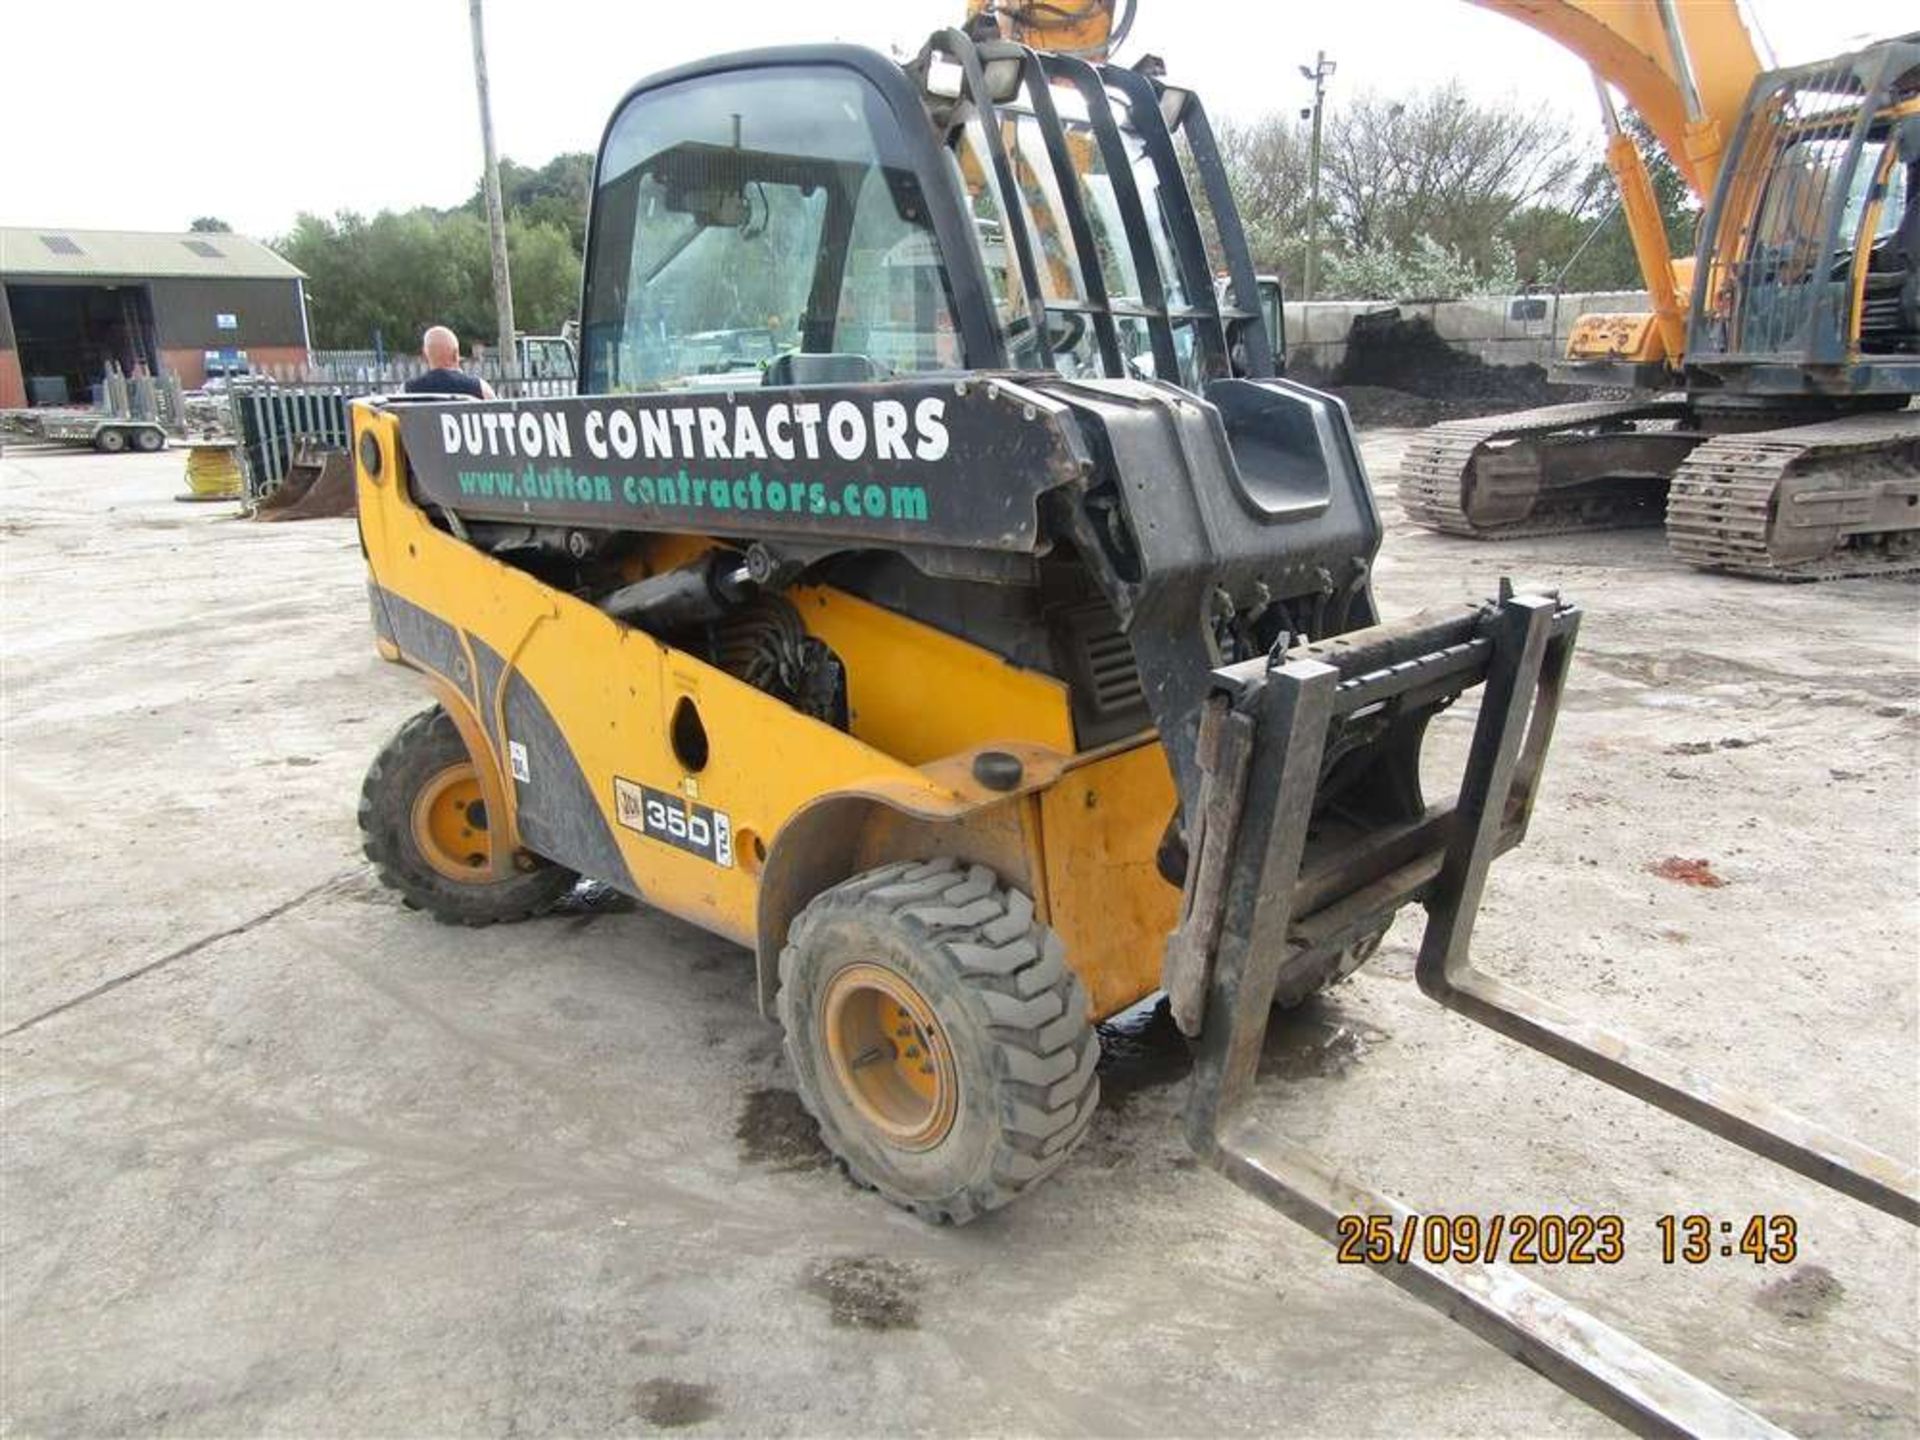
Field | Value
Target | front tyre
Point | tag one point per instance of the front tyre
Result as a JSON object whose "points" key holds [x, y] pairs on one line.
{"points": [[425, 827], [937, 1035]]}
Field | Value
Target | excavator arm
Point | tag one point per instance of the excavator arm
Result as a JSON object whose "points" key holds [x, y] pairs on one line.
{"points": [[1685, 66], [1686, 69]]}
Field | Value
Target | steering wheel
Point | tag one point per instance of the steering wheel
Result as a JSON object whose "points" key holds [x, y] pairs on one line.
{"points": [[1065, 329]]}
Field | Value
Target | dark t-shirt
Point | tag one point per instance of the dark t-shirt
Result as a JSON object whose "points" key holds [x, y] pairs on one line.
{"points": [[442, 381]]}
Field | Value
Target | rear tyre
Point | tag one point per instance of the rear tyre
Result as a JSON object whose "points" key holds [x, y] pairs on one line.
{"points": [[109, 441], [424, 827], [148, 441], [937, 1035]]}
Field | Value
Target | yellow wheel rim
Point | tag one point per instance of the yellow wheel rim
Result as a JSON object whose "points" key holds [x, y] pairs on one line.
{"points": [[450, 825], [890, 1055]]}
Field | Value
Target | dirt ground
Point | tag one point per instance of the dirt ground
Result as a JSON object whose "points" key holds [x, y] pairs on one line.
{"points": [[282, 1157]]}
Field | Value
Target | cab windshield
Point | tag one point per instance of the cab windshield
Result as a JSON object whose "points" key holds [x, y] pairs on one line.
{"points": [[744, 216]]}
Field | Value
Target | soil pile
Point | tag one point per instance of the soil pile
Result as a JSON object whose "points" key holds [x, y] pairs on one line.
{"points": [[1398, 371]]}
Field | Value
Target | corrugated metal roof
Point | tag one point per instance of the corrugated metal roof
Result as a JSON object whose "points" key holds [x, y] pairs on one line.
{"points": [[26, 252]]}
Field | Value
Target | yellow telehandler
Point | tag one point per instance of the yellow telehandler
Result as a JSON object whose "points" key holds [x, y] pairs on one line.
{"points": [[934, 590]]}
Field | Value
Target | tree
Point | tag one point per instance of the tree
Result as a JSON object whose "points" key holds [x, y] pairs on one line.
{"points": [[1417, 190], [397, 273], [210, 225], [1266, 161], [1547, 239], [1441, 165], [1436, 194], [556, 194]]}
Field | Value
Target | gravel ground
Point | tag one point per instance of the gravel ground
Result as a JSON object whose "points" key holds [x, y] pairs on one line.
{"points": [[282, 1157]]}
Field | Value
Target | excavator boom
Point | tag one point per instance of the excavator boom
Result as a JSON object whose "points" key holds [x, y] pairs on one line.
{"points": [[1685, 66]]}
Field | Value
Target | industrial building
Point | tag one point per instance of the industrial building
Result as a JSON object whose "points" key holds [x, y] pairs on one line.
{"points": [[72, 302]]}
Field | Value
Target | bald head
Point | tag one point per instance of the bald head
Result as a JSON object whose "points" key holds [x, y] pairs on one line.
{"points": [[441, 348]]}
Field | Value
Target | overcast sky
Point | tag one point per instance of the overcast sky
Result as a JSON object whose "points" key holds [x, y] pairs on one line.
{"points": [[122, 115]]}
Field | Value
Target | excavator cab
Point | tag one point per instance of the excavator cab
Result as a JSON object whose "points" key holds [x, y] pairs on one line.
{"points": [[1810, 281], [934, 590]]}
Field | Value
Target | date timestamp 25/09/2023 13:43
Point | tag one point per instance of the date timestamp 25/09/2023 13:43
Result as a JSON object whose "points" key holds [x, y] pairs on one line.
{"points": [[1547, 1239]]}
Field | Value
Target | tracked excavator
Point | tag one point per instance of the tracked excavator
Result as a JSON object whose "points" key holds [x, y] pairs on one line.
{"points": [[1773, 431], [934, 589]]}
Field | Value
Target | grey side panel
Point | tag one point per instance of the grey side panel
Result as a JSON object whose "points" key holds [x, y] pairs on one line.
{"points": [[487, 661], [421, 635], [558, 814]]}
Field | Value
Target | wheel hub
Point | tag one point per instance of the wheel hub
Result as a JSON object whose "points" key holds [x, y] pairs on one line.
{"points": [[450, 824], [890, 1055]]}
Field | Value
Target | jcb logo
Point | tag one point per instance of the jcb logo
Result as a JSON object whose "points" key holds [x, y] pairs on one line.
{"points": [[663, 816]]}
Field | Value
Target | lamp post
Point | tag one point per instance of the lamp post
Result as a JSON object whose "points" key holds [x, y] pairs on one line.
{"points": [[1317, 72], [496, 214]]}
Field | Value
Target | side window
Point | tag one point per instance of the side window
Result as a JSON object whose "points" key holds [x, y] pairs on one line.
{"points": [[1070, 337], [893, 302], [974, 170]]}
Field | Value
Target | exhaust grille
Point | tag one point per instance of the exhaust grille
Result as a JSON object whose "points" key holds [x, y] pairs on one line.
{"points": [[1097, 663]]}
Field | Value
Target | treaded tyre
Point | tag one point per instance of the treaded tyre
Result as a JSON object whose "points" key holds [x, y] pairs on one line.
{"points": [[1296, 988], [109, 441], [424, 827], [938, 1036], [149, 441]]}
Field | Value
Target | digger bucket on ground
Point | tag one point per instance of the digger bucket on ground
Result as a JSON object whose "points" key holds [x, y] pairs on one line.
{"points": [[1259, 895], [319, 486]]}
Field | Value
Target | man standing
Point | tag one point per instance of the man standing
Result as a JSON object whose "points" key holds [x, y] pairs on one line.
{"points": [[440, 348]]}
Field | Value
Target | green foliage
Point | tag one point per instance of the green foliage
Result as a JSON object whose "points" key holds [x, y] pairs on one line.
{"points": [[400, 272], [397, 273], [556, 194], [1423, 270], [210, 225]]}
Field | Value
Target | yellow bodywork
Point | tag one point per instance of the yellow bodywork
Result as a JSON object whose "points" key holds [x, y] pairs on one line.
{"points": [[809, 804], [1621, 335]]}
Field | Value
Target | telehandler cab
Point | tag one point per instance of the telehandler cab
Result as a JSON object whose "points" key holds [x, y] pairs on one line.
{"points": [[934, 590]]}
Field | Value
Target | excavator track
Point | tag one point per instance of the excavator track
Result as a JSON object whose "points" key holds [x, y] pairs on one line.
{"points": [[1437, 465], [1812, 502]]}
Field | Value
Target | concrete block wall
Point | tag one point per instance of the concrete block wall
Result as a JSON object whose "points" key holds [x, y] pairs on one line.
{"points": [[1499, 329]]}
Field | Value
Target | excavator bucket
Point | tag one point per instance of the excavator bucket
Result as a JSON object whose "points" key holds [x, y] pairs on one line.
{"points": [[1267, 887], [318, 486]]}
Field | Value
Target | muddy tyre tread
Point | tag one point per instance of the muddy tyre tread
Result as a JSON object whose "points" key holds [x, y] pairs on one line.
{"points": [[1014, 984], [424, 744]]}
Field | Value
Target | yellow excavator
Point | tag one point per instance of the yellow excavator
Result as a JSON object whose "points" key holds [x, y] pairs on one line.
{"points": [[1788, 345]]}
